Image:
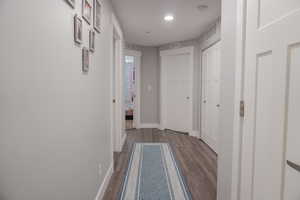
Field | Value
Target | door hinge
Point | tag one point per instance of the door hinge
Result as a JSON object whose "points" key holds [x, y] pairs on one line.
{"points": [[242, 108]]}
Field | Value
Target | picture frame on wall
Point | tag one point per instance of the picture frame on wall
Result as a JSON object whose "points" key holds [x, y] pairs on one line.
{"points": [[77, 29], [97, 15], [85, 60], [71, 3], [92, 40], [87, 11]]}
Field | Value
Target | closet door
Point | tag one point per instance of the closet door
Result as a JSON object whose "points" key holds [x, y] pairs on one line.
{"points": [[176, 90], [211, 95]]}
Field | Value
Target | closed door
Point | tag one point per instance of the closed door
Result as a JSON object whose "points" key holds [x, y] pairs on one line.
{"points": [[176, 82], [210, 96], [272, 95]]}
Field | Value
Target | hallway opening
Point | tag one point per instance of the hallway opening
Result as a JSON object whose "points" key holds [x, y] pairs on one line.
{"points": [[130, 91]]}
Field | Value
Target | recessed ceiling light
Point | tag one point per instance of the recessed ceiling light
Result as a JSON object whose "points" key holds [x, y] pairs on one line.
{"points": [[169, 18]]}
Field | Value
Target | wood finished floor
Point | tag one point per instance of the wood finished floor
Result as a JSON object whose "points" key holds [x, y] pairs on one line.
{"points": [[197, 161]]}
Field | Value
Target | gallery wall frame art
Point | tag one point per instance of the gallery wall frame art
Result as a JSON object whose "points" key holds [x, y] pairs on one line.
{"points": [[97, 15], [77, 29], [85, 60], [92, 35], [71, 3], [87, 11]]}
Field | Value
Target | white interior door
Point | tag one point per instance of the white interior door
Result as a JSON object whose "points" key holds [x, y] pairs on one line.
{"points": [[272, 79], [210, 112], [176, 91]]}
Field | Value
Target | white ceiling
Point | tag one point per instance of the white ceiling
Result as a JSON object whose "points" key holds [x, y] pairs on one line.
{"points": [[141, 16]]}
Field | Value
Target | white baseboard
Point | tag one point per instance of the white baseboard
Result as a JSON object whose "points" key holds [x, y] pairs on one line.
{"points": [[194, 133], [105, 182], [149, 126]]}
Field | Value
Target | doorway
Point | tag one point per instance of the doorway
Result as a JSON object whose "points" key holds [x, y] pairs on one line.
{"points": [[177, 89], [129, 91], [131, 88]]}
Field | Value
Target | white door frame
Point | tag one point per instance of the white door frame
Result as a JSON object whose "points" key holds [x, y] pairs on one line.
{"points": [[230, 144], [137, 102], [117, 126], [184, 50]]}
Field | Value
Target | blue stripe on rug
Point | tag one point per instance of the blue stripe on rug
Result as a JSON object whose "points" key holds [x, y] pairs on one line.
{"points": [[153, 174], [153, 183]]}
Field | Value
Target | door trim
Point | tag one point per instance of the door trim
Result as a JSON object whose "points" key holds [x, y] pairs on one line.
{"points": [[137, 103], [184, 50], [229, 160]]}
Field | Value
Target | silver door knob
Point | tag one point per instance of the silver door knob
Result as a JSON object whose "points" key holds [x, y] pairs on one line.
{"points": [[218, 105], [187, 98]]}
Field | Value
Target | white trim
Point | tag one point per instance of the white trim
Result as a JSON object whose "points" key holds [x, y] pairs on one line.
{"points": [[137, 105], [229, 179], [195, 134], [105, 182], [238, 122], [184, 50], [149, 126]]}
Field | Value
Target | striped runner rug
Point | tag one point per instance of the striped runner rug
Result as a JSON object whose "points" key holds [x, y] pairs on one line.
{"points": [[153, 174]]}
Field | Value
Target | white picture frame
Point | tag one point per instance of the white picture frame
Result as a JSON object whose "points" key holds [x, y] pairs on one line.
{"points": [[71, 3], [97, 15], [87, 10], [78, 31], [85, 60], [92, 36]]}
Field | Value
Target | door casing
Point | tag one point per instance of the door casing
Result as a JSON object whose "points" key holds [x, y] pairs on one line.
{"points": [[137, 102]]}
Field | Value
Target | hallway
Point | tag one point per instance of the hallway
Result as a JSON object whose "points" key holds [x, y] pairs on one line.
{"points": [[149, 99], [197, 161]]}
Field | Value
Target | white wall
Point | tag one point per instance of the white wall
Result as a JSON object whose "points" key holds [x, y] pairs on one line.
{"points": [[54, 120]]}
